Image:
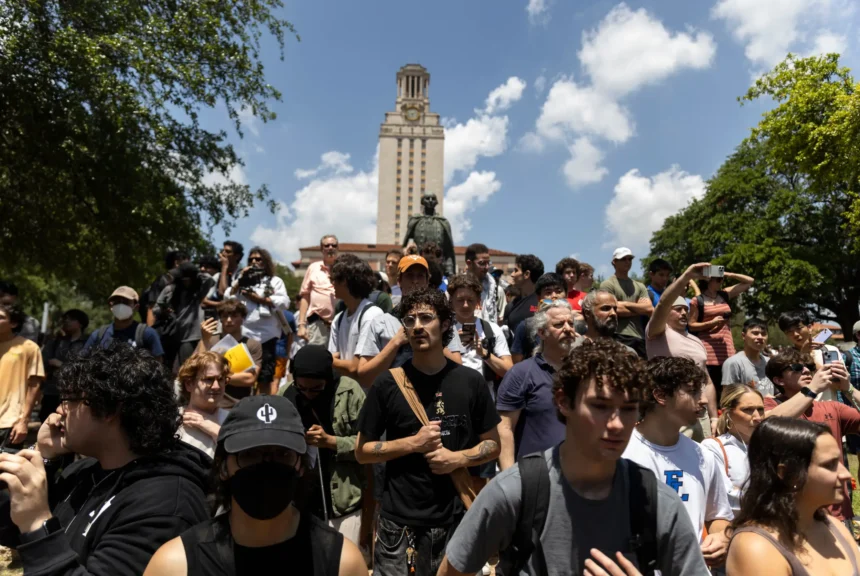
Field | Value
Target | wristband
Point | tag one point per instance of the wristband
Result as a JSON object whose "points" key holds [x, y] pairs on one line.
{"points": [[808, 392]]}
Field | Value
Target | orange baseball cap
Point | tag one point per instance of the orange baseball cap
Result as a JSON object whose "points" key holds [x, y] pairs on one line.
{"points": [[412, 260]]}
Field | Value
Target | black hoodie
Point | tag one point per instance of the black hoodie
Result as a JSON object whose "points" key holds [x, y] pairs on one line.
{"points": [[114, 521]]}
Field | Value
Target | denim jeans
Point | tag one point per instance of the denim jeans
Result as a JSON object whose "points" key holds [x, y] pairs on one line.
{"points": [[392, 540]]}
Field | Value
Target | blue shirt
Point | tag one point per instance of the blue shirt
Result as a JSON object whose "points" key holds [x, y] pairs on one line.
{"points": [[522, 344], [151, 339], [655, 296], [528, 387]]}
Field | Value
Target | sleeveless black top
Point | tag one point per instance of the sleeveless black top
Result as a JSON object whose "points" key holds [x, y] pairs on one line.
{"points": [[313, 551]]}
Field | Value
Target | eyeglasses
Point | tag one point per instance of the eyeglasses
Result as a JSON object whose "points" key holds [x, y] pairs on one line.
{"points": [[424, 317], [800, 367], [254, 456], [255, 258], [483, 263], [329, 245], [209, 382]]}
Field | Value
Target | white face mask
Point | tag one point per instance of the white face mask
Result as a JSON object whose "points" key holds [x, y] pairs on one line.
{"points": [[122, 311]]}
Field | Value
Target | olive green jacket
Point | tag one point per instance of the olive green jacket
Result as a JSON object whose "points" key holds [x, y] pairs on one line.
{"points": [[347, 475]]}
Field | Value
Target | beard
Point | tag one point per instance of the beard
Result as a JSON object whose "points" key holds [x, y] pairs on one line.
{"points": [[606, 328]]}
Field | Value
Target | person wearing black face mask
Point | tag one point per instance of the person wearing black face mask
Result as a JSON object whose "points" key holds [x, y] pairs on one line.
{"points": [[258, 463], [329, 405]]}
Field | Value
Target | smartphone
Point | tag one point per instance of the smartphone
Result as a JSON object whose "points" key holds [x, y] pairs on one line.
{"points": [[714, 271], [469, 328], [822, 336], [831, 357]]}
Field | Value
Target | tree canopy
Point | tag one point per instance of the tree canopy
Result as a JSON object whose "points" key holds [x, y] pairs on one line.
{"points": [[783, 208], [104, 164]]}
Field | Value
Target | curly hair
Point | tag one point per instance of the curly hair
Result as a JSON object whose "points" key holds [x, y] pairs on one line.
{"points": [[770, 499], [268, 263], [433, 298], [464, 280], [15, 314], [605, 360], [129, 382], [356, 273], [530, 263], [668, 375], [190, 370], [566, 263]]}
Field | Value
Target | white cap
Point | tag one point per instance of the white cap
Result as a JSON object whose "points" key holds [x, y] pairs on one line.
{"points": [[681, 301], [857, 327], [621, 253], [384, 275]]}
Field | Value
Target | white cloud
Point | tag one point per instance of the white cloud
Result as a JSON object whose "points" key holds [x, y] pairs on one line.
{"points": [[538, 11], [249, 121], [570, 108], [769, 29], [641, 204], [236, 175], [465, 197], [630, 49], [827, 42], [584, 166], [332, 161], [464, 143], [540, 84], [531, 142], [339, 202], [501, 98]]}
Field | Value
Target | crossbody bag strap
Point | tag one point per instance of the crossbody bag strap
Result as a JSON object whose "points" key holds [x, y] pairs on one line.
{"points": [[461, 478], [725, 455]]}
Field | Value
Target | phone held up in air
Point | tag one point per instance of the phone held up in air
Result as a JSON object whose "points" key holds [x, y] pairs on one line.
{"points": [[830, 356], [713, 271], [822, 336]]}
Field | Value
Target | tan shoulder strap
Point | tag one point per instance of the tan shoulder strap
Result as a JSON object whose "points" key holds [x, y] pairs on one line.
{"points": [[725, 456], [461, 478]]}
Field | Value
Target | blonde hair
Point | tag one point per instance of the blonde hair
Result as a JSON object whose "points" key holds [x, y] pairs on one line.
{"points": [[192, 367], [729, 400]]}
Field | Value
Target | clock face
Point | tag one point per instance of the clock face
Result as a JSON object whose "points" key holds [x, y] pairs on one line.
{"points": [[412, 114]]}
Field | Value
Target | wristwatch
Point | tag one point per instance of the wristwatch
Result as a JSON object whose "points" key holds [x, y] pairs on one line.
{"points": [[47, 528], [808, 392]]}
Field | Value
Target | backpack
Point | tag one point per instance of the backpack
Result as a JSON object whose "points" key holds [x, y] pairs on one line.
{"points": [[138, 335], [535, 482], [700, 304], [342, 313], [373, 297]]}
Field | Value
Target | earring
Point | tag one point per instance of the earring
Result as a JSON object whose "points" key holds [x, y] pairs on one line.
{"points": [[728, 423]]}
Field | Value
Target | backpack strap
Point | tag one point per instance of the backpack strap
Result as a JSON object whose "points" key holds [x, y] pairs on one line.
{"points": [[138, 335], [490, 337], [700, 308], [101, 334], [725, 456], [534, 506], [461, 477], [642, 499]]}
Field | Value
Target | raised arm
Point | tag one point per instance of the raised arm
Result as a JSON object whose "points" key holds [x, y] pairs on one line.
{"points": [[657, 325], [744, 284]]}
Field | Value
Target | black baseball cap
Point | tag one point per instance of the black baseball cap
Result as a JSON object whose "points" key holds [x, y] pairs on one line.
{"points": [[263, 421]]}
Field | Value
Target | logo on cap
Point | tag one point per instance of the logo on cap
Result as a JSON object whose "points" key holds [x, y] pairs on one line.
{"points": [[267, 414]]}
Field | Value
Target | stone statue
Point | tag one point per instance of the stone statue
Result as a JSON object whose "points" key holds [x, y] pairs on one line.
{"points": [[429, 227]]}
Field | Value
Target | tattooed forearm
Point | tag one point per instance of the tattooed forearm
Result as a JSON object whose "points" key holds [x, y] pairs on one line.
{"points": [[378, 448], [485, 448]]}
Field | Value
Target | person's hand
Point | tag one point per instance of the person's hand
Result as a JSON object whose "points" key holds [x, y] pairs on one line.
{"points": [[401, 339], [225, 262], [302, 331], [822, 380], [49, 440], [840, 376], [316, 436], [24, 474], [19, 431], [479, 348], [466, 338], [443, 461], [209, 328], [694, 272], [714, 548], [54, 363], [714, 432], [429, 438], [192, 419], [608, 566], [718, 323]]}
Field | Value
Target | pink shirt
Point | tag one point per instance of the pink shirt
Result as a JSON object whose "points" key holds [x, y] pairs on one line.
{"points": [[319, 290], [674, 344]]}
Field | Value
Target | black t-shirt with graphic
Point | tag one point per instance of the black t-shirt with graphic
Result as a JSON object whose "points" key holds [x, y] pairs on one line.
{"points": [[457, 396], [519, 310]]}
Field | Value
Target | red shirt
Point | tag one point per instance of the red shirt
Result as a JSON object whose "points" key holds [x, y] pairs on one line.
{"points": [[841, 420], [575, 297]]}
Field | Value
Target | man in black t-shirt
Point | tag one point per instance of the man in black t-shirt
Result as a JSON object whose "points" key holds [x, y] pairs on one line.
{"points": [[420, 505], [528, 268]]}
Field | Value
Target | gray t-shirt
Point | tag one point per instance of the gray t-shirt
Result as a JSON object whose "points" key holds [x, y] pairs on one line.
{"points": [[741, 370], [376, 334], [573, 526]]}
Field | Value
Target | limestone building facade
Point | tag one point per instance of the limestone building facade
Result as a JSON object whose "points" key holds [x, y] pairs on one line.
{"points": [[411, 155]]}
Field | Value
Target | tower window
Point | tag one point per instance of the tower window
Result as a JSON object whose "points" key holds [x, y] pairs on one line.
{"points": [[400, 142]]}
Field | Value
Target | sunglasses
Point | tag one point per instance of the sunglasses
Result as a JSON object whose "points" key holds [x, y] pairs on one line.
{"points": [[255, 259], [329, 245], [800, 367]]}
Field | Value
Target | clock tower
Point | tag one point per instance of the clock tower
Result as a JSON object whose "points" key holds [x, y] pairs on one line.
{"points": [[411, 152]]}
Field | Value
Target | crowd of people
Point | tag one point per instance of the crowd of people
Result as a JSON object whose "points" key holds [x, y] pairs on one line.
{"points": [[409, 422]]}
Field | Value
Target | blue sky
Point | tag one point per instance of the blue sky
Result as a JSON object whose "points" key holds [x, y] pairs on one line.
{"points": [[606, 116]]}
